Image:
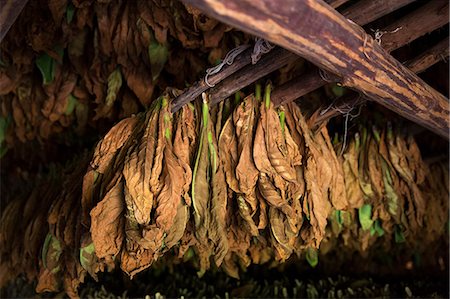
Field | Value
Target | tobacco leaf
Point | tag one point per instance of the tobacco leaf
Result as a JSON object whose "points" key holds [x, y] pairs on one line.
{"points": [[246, 172], [179, 226], [107, 223], [170, 197], [137, 167], [228, 147], [337, 191], [280, 231], [139, 80], [217, 227], [364, 179], [276, 144], [49, 277], [201, 192], [113, 141], [397, 153], [183, 145], [351, 174]]}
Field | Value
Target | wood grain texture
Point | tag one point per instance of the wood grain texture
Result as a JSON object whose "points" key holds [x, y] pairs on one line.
{"points": [[366, 11], [300, 86], [430, 57], [9, 11], [419, 64], [315, 31], [427, 18]]}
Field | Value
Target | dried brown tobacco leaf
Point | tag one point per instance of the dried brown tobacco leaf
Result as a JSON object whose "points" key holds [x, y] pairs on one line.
{"points": [[435, 190], [136, 169], [209, 196], [397, 153], [364, 176], [57, 8], [217, 228], [351, 174], [337, 192], [49, 276], [183, 146], [58, 92], [316, 205], [139, 80], [170, 197], [228, 147], [280, 231], [201, 192], [179, 226], [263, 218], [113, 141], [246, 172], [276, 144], [107, 223], [135, 259]]}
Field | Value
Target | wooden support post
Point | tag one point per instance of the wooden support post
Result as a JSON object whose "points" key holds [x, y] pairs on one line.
{"points": [[315, 31]]}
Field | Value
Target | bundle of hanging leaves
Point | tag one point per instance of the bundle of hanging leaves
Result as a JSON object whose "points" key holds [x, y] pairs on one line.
{"points": [[226, 186], [77, 64]]}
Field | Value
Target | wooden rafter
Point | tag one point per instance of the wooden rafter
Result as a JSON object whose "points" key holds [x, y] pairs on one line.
{"points": [[314, 30]]}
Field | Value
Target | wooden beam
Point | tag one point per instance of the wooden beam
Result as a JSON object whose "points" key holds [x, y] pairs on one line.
{"points": [[315, 31], [366, 11], [419, 64], [429, 57], [9, 11], [427, 18], [234, 73], [299, 86], [240, 62]]}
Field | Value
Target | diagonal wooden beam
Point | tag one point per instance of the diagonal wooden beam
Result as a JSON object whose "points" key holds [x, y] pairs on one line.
{"points": [[9, 11], [366, 11], [428, 14], [314, 30], [418, 64]]}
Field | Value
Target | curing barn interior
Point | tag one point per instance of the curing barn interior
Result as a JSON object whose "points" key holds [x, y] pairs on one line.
{"points": [[224, 149]]}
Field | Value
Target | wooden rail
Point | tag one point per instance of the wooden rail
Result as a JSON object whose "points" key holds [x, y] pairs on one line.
{"points": [[314, 30]]}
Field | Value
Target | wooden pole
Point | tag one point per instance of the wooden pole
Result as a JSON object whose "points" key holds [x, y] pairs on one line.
{"points": [[419, 64], [9, 11], [315, 31], [366, 11], [299, 86]]}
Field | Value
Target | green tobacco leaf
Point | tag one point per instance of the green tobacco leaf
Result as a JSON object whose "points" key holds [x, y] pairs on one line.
{"points": [[51, 250], [114, 84], [398, 235], [282, 117], [86, 254], [158, 55], [70, 11], [71, 105], [47, 66], [312, 257], [3, 126], [48, 238], [365, 216], [338, 218], [267, 95], [376, 229], [337, 90]]}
